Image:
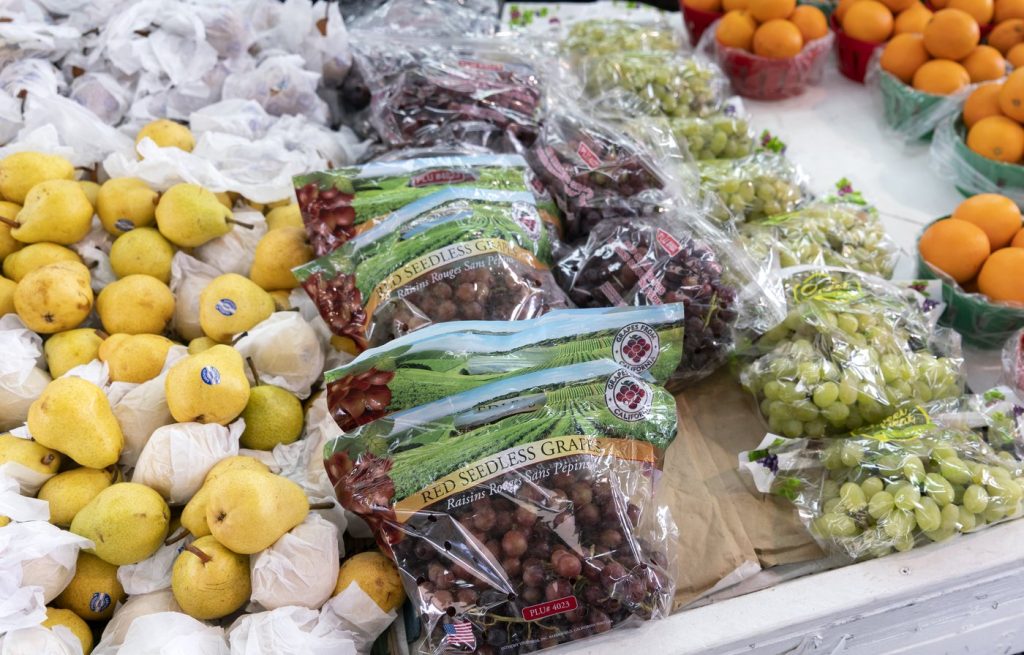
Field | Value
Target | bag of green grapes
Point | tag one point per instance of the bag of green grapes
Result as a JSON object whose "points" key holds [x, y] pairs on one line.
{"points": [[726, 134], [603, 36], [752, 188], [852, 350], [913, 479], [997, 415]]}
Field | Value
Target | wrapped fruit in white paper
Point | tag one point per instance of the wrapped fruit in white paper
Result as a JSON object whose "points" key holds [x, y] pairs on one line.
{"points": [[171, 632], [142, 409], [233, 252], [177, 457], [301, 568], [286, 352], [40, 641], [21, 378], [46, 555], [133, 608], [189, 277], [288, 631]]}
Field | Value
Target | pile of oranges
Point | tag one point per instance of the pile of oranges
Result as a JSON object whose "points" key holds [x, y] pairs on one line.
{"points": [[981, 246], [777, 29], [993, 114]]}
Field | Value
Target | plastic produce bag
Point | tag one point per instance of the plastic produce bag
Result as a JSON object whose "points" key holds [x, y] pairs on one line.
{"points": [[1013, 362], [45, 554], [972, 174], [10, 116], [22, 378], [40, 641], [134, 607], [189, 276], [492, 500], [286, 352], [485, 257], [234, 252], [761, 185], [177, 457], [287, 631], [602, 36], [451, 18], [153, 573], [301, 568], [720, 136], [421, 368], [172, 632]]}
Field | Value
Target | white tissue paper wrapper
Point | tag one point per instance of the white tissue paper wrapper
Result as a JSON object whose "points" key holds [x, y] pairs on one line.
{"points": [[90, 138], [22, 378], [40, 558], [36, 78], [171, 633], [154, 572], [294, 26], [40, 641], [281, 85], [234, 252], [17, 507], [287, 631], [126, 613], [301, 568], [141, 409], [177, 457], [101, 94], [29, 480], [10, 116], [42, 139], [286, 352], [189, 277], [94, 250], [355, 612]]}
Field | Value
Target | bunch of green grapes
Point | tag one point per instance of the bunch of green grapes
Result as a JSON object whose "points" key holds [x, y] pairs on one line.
{"points": [[656, 83], [714, 137], [591, 38], [752, 188], [884, 495]]}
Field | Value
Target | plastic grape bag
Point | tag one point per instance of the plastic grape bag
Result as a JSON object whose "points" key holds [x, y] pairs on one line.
{"points": [[972, 174], [286, 352], [22, 376], [142, 409], [234, 252], [38, 640], [287, 631], [177, 457], [823, 233], [42, 556], [905, 482], [483, 256], [172, 632], [603, 36], [1013, 362], [758, 186], [556, 467], [852, 350], [301, 568], [727, 135], [455, 357], [134, 607], [153, 573], [189, 276]]}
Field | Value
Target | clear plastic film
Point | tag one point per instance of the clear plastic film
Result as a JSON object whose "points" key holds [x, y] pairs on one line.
{"points": [[757, 186], [972, 174], [852, 350], [1013, 362], [603, 36], [726, 135], [521, 514], [452, 18]]}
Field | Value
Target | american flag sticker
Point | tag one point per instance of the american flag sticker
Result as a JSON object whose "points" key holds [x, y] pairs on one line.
{"points": [[459, 634]]}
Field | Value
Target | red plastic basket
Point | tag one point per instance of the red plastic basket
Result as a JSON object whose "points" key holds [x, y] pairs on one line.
{"points": [[697, 21], [762, 78], [854, 55]]}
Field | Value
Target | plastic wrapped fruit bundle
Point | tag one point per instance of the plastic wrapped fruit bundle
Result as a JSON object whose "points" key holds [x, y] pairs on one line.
{"points": [[521, 514], [908, 482], [833, 234], [601, 36], [852, 350], [761, 185], [720, 136], [459, 254]]}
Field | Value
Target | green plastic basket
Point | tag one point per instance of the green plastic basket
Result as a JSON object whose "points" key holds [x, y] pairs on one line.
{"points": [[1004, 176], [981, 323], [904, 105]]}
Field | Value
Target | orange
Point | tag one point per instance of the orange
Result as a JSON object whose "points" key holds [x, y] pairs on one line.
{"points": [[984, 64], [1002, 276], [896, 6], [951, 34], [810, 21], [841, 8], [730, 5], [704, 5], [1007, 34], [1018, 240], [904, 55], [998, 138], [766, 10], [982, 103], [980, 10], [1011, 96], [778, 39], [1016, 56], [1006, 9], [868, 20], [955, 247], [912, 20], [941, 77], [736, 30], [998, 216]]}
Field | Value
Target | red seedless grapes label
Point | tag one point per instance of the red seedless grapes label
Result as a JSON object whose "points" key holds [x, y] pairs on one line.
{"points": [[587, 155], [441, 176], [550, 608]]}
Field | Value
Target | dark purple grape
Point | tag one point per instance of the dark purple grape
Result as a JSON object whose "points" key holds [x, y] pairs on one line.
{"points": [[467, 596], [612, 573], [513, 566], [514, 543], [568, 566], [557, 589], [581, 494], [562, 481], [443, 599], [502, 522], [588, 515], [525, 517], [532, 595], [611, 538], [633, 514], [599, 620], [533, 573], [484, 518]]}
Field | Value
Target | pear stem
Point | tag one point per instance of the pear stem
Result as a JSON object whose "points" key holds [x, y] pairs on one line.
{"points": [[102, 335], [176, 538], [248, 226], [252, 369], [8, 222], [327, 504], [203, 557]]}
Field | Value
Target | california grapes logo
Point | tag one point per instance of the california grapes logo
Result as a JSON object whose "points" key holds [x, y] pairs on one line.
{"points": [[99, 602], [528, 218], [226, 306], [636, 347], [629, 398], [124, 225], [210, 375]]}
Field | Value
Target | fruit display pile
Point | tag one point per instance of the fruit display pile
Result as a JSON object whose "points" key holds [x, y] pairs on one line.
{"points": [[374, 331]]}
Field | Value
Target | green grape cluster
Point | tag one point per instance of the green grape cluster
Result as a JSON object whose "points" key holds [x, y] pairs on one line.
{"points": [[661, 84], [844, 235], [752, 188], [591, 38], [884, 495], [714, 137]]}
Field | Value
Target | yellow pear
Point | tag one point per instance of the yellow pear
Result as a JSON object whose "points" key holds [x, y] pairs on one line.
{"points": [[167, 134], [284, 202], [8, 244], [189, 216], [200, 344], [126, 203], [5, 521], [22, 262], [287, 216], [277, 253], [376, 575], [94, 591], [30, 454], [7, 288], [135, 304], [231, 304], [250, 510], [193, 517], [273, 416], [70, 491], [54, 298], [92, 191], [55, 211], [56, 616], [224, 198], [127, 522], [74, 417], [143, 251], [136, 358], [282, 300], [66, 350], [209, 581], [210, 387], [23, 170], [110, 344]]}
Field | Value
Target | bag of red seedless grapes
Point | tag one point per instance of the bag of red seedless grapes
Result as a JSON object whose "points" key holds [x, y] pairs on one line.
{"points": [[459, 254], [521, 513]]}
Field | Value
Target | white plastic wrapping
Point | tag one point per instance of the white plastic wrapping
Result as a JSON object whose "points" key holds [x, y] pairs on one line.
{"points": [[153, 573], [301, 568], [177, 457], [189, 277], [133, 608], [170, 633], [40, 641], [286, 352], [22, 377], [234, 252], [39, 558], [287, 631]]}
